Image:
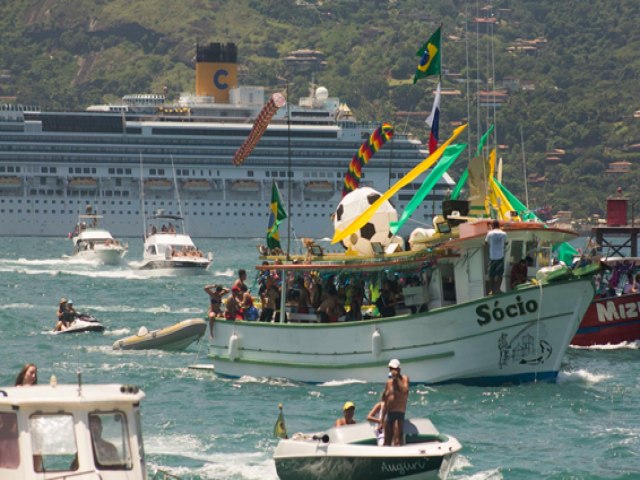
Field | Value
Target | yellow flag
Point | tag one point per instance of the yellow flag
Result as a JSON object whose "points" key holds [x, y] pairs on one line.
{"points": [[408, 178], [280, 429]]}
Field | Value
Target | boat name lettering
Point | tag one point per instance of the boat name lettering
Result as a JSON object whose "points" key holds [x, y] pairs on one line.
{"points": [[485, 313], [401, 468], [217, 77], [610, 311]]}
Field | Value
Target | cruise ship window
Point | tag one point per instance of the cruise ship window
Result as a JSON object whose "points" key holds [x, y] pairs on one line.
{"points": [[161, 171], [127, 171], [152, 171], [70, 170], [249, 173], [112, 171], [1, 169], [266, 174], [282, 174], [45, 169], [9, 169]]}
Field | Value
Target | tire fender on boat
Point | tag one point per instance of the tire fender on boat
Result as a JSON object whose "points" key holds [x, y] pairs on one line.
{"points": [[376, 343], [234, 346]]}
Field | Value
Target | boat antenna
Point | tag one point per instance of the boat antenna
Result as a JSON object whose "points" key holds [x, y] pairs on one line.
{"points": [[524, 170], [144, 219], [175, 185], [289, 172]]}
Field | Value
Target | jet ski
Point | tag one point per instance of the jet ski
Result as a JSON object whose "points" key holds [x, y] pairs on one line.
{"points": [[83, 323]]}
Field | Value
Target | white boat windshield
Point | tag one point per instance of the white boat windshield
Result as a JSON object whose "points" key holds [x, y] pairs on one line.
{"points": [[110, 441], [54, 443]]}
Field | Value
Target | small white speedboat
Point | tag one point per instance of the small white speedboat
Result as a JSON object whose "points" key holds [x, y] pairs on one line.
{"points": [[96, 244], [169, 249], [352, 452], [175, 337], [71, 431], [83, 323]]}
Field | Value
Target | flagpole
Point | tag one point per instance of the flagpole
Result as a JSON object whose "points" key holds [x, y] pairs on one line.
{"points": [[289, 172]]}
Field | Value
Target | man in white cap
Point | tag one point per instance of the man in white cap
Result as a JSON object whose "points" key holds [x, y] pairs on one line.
{"points": [[396, 394]]}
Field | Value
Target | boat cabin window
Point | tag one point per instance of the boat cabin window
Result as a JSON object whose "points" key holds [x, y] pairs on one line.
{"points": [[151, 249], [140, 442], [9, 448], [53, 442], [110, 440]]}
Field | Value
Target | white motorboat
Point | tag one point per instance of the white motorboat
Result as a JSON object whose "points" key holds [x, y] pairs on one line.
{"points": [[168, 248], [71, 431], [96, 244], [174, 337], [83, 323], [351, 451]]}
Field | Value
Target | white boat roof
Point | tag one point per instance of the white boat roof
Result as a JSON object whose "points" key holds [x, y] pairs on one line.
{"points": [[94, 234], [72, 395], [170, 239]]}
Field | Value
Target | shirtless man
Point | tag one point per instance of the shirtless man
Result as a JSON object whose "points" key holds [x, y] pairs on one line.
{"points": [[396, 394]]}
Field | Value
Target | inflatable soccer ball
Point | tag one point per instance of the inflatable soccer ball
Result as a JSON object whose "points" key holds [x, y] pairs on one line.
{"points": [[377, 230], [418, 237]]}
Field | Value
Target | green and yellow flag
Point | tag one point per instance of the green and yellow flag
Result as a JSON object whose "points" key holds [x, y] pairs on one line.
{"points": [[280, 430], [429, 57], [277, 214]]}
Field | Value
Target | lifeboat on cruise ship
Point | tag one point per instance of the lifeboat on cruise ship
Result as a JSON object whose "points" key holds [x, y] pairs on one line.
{"points": [[197, 185], [10, 182], [319, 187], [245, 185], [83, 183], [158, 184]]}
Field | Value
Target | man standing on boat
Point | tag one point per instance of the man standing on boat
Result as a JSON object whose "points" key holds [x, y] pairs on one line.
{"points": [[396, 394], [496, 239]]}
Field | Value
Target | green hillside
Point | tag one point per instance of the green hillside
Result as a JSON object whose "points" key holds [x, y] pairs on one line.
{"points": [[562, 71]]}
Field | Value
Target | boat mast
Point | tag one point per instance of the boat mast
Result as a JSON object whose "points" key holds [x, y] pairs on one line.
{"points": [[524, 170], [289, 173], [175, 185], [144, 219]]}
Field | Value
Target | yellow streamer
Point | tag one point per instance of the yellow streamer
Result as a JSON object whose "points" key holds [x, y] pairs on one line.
{"points": [[408, 178]]}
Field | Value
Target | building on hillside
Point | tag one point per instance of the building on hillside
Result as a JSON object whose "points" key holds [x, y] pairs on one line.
{"points": [[619, 167], [493, 98], [305, 60]]}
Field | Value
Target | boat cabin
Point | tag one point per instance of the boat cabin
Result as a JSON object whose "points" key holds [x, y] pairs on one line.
{"points": [[71, 431]]}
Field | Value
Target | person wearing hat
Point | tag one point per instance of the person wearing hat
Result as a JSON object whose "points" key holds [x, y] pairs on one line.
{"points": [[62, 307], [396, 394], [348, 410]]}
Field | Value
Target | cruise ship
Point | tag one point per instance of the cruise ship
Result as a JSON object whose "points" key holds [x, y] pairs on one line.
{"points": [[147, 153]]}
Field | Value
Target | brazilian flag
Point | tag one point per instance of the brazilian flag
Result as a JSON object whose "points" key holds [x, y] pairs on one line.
{"points": [[429, 57], [275, 217], [280, 430]]}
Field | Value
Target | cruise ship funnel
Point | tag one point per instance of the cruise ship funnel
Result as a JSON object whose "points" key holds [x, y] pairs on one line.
{"points": [[216, 70]]}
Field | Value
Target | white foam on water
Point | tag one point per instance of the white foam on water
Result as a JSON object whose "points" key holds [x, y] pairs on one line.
{"points": [[493, 474], [281, 382], [460, 463], [581, 375], [635, 345], [339, 383], [224, 273], [117, 332], [21, 306]]}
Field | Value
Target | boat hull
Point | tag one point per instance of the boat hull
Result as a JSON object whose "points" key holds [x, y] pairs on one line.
{"points": [[352, 452], [82, 326], [175, 337], [514, 337], [610, 321], [177, 267], [105, 256]]}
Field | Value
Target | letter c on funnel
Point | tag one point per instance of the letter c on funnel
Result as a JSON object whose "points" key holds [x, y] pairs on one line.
{"points": [[217, 77]]}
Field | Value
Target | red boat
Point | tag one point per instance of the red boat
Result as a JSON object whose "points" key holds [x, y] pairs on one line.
{"points": [[610, 320]]}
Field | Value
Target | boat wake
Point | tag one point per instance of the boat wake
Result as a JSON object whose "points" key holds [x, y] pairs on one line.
{"points": [[248, 465], [635, 345], [493, 474], [581, 375]]}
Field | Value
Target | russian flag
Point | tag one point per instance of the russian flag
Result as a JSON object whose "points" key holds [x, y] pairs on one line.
{"points": [[433, 121]]}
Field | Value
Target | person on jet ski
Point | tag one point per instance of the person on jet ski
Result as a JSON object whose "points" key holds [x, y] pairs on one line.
{"points": [[66, 315]]}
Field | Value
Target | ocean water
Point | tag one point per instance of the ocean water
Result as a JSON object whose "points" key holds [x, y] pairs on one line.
{"points": [[198, 426]]}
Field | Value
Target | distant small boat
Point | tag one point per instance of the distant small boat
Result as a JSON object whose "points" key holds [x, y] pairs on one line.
{"points": [[175, 337], [96, 244], [83, 323]]}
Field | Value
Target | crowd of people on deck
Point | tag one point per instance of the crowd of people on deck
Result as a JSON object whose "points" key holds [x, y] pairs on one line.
{"points": [[308, 297]]}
